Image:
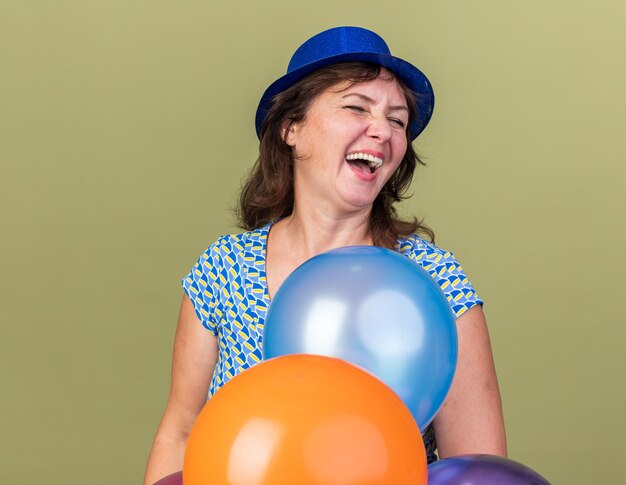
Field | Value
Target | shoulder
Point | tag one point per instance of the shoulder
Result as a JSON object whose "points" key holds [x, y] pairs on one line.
{"points": [[422, 251], [231, 251], [221, 264], [229, 248], [444, 268]]}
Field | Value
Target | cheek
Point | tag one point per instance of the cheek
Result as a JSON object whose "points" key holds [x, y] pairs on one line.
{"points": [[399, 150], [308, 141]]}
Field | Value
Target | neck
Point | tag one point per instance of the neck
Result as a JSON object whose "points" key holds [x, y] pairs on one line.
{"points": [[317, 231], [302, 235]]}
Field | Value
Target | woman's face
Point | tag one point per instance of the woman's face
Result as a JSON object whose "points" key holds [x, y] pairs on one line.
{"points": [[349, 144]]}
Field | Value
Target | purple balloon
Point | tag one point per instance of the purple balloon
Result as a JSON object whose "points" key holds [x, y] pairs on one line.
{"points": [[173, 479], [482, 470]]}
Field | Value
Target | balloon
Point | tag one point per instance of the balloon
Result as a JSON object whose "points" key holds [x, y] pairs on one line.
{"points": [[482, 470], [374, 308], [306, 420], [173, 479]]}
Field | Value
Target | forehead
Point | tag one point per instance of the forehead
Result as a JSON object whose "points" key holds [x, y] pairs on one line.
{"points": [[383, 88]]}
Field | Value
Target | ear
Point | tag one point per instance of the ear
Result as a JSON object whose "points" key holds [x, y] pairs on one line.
{"points": [[289, 133]]}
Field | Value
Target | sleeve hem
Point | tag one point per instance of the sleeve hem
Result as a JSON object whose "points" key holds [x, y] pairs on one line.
{"points": [[208, 324]]}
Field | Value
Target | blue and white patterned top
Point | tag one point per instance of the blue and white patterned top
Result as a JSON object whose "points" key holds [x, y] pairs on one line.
{"points": [[228, 289]]}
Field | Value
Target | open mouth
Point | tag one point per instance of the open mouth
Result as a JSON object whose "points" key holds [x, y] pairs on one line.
{"points": [[364, 162]]}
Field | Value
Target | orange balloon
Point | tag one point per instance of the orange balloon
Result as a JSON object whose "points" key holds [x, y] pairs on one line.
{"points": [[305, 420]]}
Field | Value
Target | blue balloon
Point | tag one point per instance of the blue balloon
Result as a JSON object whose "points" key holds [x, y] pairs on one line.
{"points": [[374, 308], [482, 470]]}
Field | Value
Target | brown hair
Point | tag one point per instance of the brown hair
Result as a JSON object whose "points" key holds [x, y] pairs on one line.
{"points": [[268, 193]]}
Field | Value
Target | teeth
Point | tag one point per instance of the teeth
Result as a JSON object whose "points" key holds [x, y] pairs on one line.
{"points": [[373, 162]]}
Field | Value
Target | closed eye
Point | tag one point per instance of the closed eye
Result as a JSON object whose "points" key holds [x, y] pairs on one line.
{"points": [[360, 109], [397, 122], [352, 107]]}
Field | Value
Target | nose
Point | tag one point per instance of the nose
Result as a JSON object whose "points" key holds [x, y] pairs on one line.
{"points": [[379, 128]]}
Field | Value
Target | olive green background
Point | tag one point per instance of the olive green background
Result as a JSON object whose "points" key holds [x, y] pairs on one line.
{"points": [[125, 129]]}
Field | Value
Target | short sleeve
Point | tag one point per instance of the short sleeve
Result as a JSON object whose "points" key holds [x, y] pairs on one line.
{"points": [[202, 285], [455, 284], [445, 270]]}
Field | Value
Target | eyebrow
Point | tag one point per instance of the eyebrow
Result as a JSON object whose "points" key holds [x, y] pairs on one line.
{"points": [[371, 101]]}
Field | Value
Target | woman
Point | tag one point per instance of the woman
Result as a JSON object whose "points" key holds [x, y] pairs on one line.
{"points": [[335, 155]]}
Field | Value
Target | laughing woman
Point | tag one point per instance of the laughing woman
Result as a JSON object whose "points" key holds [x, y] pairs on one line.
{"points": [[335, 155]]}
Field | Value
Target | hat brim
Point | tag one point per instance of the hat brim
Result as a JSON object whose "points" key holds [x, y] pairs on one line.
{"points": [[414, 79]]}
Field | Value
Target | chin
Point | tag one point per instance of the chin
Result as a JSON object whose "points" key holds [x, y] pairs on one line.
{"points": [[360, 203], [356, 198]]}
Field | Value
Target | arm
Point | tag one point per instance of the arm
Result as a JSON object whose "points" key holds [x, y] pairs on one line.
{"points": [[470, 420], [193, 362]]}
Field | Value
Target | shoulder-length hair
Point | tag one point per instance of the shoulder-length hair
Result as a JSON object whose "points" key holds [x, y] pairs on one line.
{"points": [[268, 192]]}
